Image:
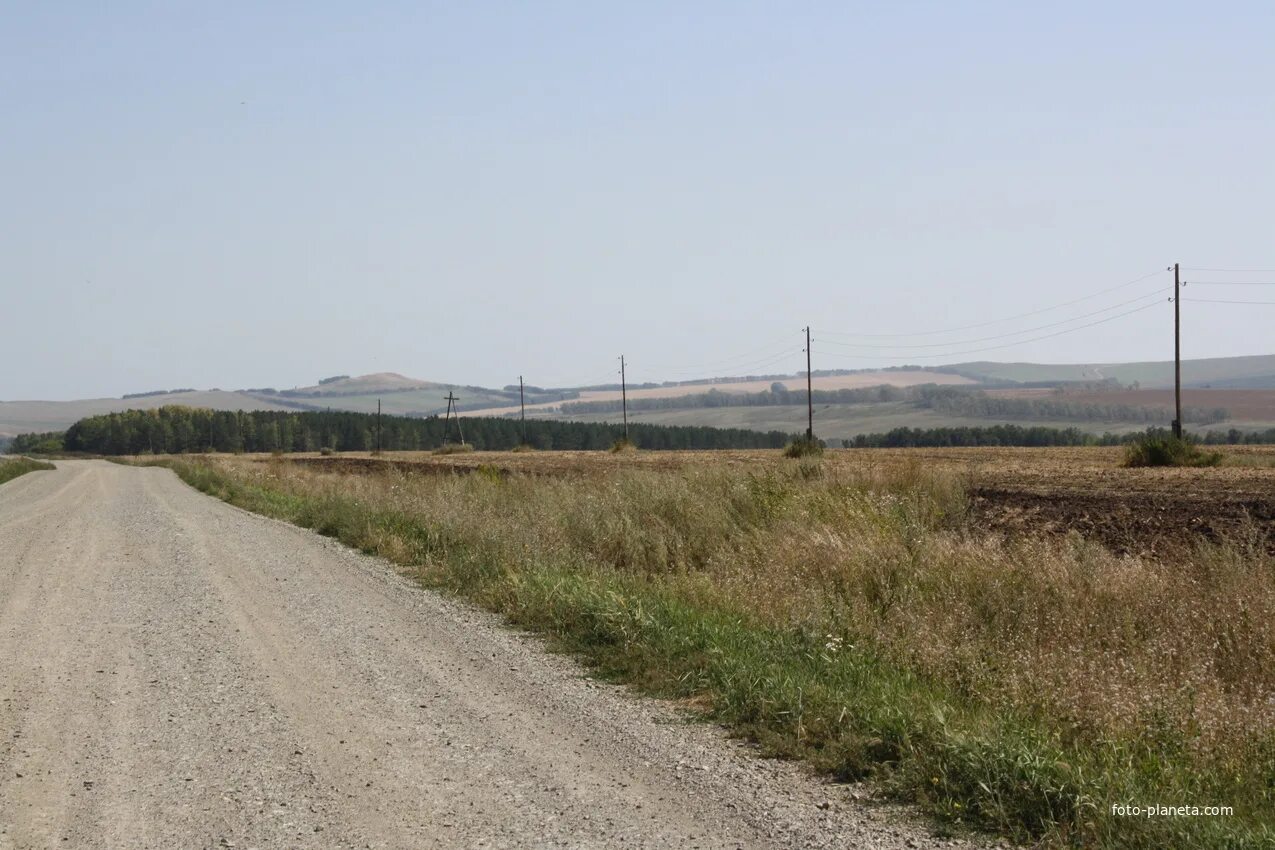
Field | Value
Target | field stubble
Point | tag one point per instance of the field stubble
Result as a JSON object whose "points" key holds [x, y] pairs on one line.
{"points": [[861, 612]]}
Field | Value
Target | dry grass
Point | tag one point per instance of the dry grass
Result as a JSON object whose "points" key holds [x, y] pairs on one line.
{"points": [[12, 467], [1130, 676]]}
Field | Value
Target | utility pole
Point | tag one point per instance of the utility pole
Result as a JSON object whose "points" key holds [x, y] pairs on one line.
{"points": [[1177, 351], [378, 426], [624, 399], [522, 403], [810, 398], [451, 401]]}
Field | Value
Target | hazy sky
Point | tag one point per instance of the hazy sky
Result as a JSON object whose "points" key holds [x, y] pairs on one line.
{"points": [[248, 194]]}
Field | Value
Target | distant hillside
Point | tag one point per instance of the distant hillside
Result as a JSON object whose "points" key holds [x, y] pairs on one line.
{"points": [[1255, 372], [23, 417], [1243, 397], [378, 382]]}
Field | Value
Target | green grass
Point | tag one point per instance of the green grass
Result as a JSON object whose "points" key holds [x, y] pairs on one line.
{"points": [[11, 468], [856, 621]]}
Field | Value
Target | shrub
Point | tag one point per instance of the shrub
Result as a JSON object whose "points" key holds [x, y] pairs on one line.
{"points": [[1165, 450], [804, 447], [326, 450], [453, 449], [624, 444]]}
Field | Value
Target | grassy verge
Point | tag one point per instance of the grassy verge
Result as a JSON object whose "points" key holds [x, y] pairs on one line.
{"points": [[11, 468], [854, 619]]}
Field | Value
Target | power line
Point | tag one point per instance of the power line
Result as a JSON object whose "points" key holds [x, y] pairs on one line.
{"points": [[1144, 297], [1019, 316], [1229, 282], [1232, 271], [1008, 344], [727, 361], [1221, 301]]}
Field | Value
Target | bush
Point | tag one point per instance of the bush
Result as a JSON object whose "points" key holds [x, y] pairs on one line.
{"points": [[804, 447], [624, 444], [1163, 450], [453, 449], [326, 450]]}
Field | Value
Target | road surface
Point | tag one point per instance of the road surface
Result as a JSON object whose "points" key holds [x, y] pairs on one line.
{"points": [[177, 673]]}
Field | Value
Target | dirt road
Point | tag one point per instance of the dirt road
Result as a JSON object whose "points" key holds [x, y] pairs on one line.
{"points": [[177, 673]]}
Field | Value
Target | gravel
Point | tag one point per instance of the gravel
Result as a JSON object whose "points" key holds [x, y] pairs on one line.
{"points": [[175, 672]]}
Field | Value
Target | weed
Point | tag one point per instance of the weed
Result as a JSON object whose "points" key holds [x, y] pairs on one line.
{"points": [[11, 468]]}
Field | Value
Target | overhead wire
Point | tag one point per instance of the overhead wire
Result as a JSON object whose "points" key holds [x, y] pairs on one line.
{"points": [[1228, 271], [1223, 301], [1156, 294], [1093, 295], [1005, 345], [727, 361], [1229, 282]]}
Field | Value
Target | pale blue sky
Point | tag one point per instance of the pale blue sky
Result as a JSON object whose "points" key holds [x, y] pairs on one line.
{"points": [[217, 195]]}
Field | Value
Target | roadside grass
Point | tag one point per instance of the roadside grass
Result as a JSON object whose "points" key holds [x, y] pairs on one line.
{"points": [[855, 618], [11, 468]]}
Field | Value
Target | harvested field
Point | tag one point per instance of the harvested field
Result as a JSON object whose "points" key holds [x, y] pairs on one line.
{"points": [[858, 380]]}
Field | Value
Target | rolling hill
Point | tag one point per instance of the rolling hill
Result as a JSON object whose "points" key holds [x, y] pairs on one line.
{"points": [[1255, 372], [1230, 392]]}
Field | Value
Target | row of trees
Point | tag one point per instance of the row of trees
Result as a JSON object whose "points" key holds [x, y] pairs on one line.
{"points": [[984, 406], [176, 429], [1017, 435], [49, 442]]}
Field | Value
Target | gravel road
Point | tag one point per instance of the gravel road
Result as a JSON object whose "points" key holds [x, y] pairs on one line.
{"points": [[177, 673]]}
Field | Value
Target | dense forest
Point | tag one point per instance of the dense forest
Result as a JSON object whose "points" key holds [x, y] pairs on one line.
{"points": [[957, 401], [175, 429], [49, 442], [1017, 435]]}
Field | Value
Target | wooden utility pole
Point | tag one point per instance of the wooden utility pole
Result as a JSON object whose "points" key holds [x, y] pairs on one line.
{"points": [[624, 398], [451, 402], [522, 403], [810, 397], [1177, 351]]}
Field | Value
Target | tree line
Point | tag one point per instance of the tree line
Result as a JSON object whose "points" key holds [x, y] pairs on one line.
{"points": [[176, 429], [1034, 436], [981, 405]]}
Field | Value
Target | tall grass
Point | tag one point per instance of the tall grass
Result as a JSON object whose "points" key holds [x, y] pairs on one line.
{"points": [[11, 468], [854, 618]]}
